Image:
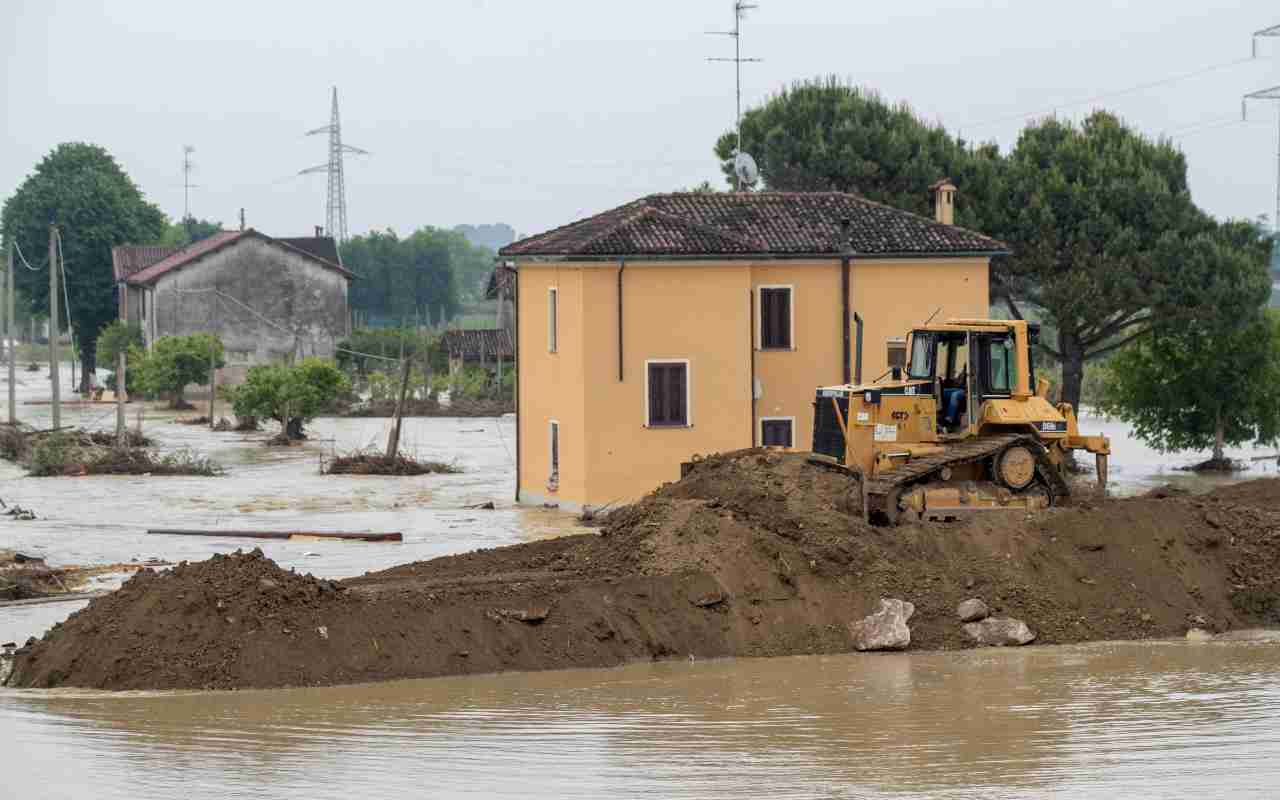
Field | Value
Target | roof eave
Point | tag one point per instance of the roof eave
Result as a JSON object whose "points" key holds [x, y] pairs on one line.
{"points": [[533, 258]]}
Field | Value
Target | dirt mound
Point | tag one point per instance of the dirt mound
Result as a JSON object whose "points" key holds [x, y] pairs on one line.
{"points": [[378, 464], [753, 553]]}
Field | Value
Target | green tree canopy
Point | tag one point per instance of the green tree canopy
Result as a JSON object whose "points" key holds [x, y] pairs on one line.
{"points": [[1208, 378], [118, 337], [1097, 216], [80, 188], [187, 231], [290, 394], [175, 361]]}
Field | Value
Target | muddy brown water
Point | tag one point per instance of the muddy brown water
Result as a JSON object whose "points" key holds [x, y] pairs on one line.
{"points": [[1153, 720], [1162, 719]]}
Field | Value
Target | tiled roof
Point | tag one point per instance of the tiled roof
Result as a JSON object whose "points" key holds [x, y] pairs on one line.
{"points": [[493, 342], [751, 223], [196, 250], [126, 259], [322, 247]]}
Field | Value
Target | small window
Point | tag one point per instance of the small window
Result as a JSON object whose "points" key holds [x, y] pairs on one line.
{"points": [[897, 350], [775, 317], [668, 398], [552, 295], [555, 450], [777, 432]]}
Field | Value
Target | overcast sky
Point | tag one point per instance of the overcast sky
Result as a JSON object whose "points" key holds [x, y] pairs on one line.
{"points": [[538, 113]]}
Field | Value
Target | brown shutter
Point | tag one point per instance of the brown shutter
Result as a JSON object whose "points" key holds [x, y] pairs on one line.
{"points": [[667, 404], [775, 318]]}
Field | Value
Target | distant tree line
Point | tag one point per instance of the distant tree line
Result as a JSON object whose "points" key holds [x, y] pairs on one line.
{"points": [[425, 277]]}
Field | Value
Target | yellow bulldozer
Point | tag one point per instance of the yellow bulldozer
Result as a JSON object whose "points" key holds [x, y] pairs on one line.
{"points": [[957, 431]]}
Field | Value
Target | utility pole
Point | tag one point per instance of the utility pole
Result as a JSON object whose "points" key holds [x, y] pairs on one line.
{"points": [[740, 8], [53, 325], [10, 333], [187, 186], [122, 382], [1267, 94]]}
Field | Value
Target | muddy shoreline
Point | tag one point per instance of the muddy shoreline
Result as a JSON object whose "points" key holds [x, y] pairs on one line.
{"points": [[754, 554]]}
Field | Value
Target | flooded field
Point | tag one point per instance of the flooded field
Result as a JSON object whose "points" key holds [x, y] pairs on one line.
{"points": [[1163, 719]]}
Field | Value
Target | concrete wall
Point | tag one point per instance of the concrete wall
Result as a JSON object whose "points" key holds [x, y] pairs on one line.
{"points": [[271, 303], [700, 312]]}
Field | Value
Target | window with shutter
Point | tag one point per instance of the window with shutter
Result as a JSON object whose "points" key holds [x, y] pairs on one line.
{"points": [[668, 393], [777, 432], [775, 317]]}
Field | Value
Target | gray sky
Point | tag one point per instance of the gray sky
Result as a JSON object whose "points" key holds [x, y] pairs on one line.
{"points": [[538, 113]]}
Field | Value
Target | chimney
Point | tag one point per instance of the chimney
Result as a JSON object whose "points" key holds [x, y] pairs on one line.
{"points": [[319, 231], [944, 201]]}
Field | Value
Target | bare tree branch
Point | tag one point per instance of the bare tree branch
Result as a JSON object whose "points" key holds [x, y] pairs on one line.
{"points": [[1102, 351]]}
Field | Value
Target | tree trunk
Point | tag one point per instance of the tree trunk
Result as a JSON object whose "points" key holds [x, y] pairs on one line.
{"points": [[1072, 369], [293, 429], [1219, 437], [88, 365]]}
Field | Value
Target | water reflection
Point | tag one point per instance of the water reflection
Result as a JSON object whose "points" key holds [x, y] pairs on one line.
{"points": [[1151, 720]]}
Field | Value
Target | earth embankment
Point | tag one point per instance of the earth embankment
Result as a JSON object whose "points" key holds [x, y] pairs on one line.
{"points": [[753, 554]]}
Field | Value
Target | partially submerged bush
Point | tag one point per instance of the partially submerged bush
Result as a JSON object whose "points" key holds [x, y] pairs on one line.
{"points": [[81, 453], [370, 463]]}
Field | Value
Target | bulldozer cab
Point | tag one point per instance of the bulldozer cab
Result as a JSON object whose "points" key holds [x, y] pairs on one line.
{"points": [[966, 368]]}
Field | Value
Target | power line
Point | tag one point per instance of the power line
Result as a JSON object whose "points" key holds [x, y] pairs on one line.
{"points": [[336, 205], [1107, 95]]}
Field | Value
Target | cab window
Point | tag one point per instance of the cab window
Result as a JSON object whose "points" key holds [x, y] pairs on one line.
{"points": [[921, 365], [1000, 365]]}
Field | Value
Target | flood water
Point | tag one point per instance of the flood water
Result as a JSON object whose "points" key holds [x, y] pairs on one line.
{"points": [[1152, 720], [1166, 719]]}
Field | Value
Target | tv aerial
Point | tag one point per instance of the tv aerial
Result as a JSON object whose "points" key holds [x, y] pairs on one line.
{"points": [[744, 166]]}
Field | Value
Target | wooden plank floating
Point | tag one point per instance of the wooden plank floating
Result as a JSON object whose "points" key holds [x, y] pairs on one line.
{"points": [[359, 536]]}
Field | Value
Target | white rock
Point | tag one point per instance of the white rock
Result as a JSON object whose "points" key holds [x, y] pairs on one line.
{"points": [[886, 629], [1000, 632], [1199, 635], [972, 610]]}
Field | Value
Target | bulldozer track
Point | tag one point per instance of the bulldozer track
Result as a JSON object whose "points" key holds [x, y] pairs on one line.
{"points": [[881, 489]]}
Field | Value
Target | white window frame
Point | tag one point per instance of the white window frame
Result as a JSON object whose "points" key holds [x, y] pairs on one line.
{"points": [[553, 449], [900, 341], [688, 392], [553, 319], [760, 429], [791, 317]]}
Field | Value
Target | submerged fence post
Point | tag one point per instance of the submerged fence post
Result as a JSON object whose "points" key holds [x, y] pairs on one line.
{"points": [[121, 398]]}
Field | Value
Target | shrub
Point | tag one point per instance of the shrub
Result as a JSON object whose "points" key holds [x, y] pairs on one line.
{"points": [[291, 395], [176, 361]]}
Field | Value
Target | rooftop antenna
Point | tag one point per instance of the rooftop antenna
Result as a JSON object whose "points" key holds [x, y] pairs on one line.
{"points": [[187, 186], [740, 8], [1266, 94], [336, 205]]}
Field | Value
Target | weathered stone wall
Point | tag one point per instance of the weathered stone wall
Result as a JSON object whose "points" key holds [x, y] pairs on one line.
{"points": [[270, 303]]}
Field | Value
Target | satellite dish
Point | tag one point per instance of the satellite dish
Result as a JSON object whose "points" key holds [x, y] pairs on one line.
{"points": [[744, 166]]}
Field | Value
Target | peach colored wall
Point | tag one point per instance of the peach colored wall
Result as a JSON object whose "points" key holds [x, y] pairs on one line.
{"points": [[895, 295], [700, 312], [552, 385], [672, 312]]}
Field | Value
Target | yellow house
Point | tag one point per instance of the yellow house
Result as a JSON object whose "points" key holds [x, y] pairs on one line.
{"points": [[694, 323]]}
